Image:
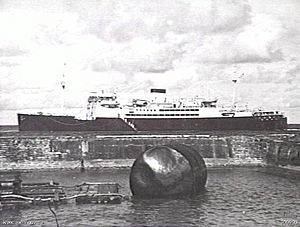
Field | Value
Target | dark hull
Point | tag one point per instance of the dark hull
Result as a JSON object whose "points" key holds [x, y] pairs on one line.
{"points": [[229, 123], [69, 123]]}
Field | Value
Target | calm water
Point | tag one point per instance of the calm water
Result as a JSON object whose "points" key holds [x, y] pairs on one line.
{"points": [[234, 197]]}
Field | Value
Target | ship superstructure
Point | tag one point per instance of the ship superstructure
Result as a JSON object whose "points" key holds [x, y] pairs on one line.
{"points": [[157, 113]]}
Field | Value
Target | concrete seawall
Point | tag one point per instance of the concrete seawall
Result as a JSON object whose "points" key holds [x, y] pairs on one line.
{"points": [[46, 152]]}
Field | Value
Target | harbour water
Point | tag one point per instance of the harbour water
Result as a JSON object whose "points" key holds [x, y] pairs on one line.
{"points": [[233, 197]]}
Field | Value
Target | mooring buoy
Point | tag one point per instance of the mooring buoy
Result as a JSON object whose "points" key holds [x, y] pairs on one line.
{"points": [[172, 170]]}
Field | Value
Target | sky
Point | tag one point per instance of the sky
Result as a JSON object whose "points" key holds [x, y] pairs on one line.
{"points": [[130, 46]]}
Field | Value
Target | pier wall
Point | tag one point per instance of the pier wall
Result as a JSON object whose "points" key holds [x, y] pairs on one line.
{"points": [[97, 151]]}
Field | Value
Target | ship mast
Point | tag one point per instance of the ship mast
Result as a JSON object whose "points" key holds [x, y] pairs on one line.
{"points": [[235, 80], [63, 86]]}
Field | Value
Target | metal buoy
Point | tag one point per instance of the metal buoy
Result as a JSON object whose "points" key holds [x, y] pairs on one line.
{"points": [[172, 170]]}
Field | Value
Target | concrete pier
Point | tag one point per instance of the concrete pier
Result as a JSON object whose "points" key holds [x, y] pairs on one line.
{"points": [[47, 151]]}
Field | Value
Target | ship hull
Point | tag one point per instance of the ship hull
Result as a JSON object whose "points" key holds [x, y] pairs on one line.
{"points": [[68, 123], [30, 122], [222, 123]]}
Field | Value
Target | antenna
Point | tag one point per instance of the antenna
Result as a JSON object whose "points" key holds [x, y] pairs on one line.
{"points": [[235, 80]]}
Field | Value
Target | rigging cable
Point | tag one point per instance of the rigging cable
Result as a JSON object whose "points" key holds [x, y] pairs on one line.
{"points": [[52, 211]]}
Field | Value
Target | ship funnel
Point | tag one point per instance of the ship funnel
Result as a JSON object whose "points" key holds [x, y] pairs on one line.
{"points": [[158, 95], [156, 90]]}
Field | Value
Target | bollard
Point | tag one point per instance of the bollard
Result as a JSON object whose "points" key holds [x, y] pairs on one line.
{"points": [[173, 170]]}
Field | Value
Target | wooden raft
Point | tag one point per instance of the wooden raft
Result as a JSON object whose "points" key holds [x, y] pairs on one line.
{"points": [[104, 193], [15, 194]]}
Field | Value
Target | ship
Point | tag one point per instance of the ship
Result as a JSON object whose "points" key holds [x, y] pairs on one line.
{"points": [[156, 113]]}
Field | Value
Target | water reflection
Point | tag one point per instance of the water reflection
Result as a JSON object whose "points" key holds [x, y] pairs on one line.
{"points": [[169, 211]]}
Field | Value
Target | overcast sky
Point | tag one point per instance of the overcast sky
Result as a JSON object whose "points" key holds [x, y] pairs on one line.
{"points": [[132, 46]]}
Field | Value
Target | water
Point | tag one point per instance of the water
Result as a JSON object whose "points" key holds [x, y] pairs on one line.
{"points": [[234, 197]]}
